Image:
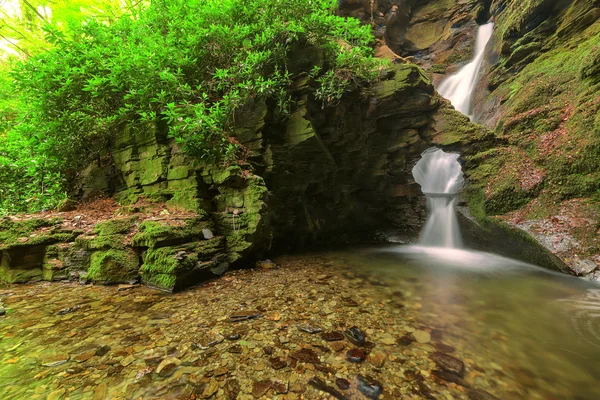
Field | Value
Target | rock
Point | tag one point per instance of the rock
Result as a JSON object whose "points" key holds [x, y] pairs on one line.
{"points": [[356, 336], [377, 359], [2, 311], [280, 387], [69, 310], [277, 363], [55, 360], [100, 391], [232, 389], [405, 340], [449, 377], [167, 366], [422, 336], [244, 316], [332, 336], [266, 264], [478, 394], [388, 339], [260, 388], [102, 350], [369, 387], [355, 355], [84, 355], [233, 336], [207, 233], [322, 386], [306, 356], [210, 389], [342, 383], [309, 329], [448, 363], [338, 346]]}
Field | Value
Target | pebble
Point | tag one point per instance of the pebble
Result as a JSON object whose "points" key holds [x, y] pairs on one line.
{"points": [[342, 383], [369, 387], [322, 386], [306, 355], [211, 388], [280, 387], [260, 388], [355, 355], [337, 346], [167, 366], [309, 328], [377, 359], [388, 339], [356, 336], [448, 363], [422, 336]]}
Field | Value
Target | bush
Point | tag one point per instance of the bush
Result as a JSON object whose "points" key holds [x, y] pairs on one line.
{"points": [[189, 62]]}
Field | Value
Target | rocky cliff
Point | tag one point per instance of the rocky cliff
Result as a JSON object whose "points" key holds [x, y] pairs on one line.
{"points": [[325, 174]]}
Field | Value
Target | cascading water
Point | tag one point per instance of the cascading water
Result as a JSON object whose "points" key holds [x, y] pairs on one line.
{"points": [[459, 87], [440, 176]]}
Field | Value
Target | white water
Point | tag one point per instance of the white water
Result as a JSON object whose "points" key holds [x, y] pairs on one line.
{"points": [[440, 176], [459, 88]]}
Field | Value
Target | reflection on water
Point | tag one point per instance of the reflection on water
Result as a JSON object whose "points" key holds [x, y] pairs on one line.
{"points": [[509, 312]]}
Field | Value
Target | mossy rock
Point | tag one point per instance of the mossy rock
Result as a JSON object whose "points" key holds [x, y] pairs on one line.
{"points": [[115, 226], [158, 234], [102, 242], [23, 233], [175, 267], [113, 266]]}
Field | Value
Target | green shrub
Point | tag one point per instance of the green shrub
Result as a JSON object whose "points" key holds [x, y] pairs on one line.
{"points": [[189, 62]]}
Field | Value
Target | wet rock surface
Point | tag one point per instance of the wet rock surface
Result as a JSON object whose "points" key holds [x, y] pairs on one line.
{"points": [[144, 344]]}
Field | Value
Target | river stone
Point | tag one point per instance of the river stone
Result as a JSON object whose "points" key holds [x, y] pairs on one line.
{"points": [[448, 363], [422, 336], [260, 388], [167, 366], [211, 388]]}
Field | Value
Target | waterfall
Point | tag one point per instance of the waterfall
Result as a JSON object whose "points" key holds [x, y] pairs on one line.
{"points": [[440, 176], [458, 88]]}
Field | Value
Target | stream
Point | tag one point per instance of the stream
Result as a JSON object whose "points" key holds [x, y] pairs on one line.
{"points": [[522, 332]]}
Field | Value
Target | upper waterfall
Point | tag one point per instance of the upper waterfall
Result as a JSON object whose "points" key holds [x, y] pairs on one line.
{"points": [[458, 88]]}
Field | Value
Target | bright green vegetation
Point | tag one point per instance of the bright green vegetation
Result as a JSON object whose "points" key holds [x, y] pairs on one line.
{"points": [[191, 63]]}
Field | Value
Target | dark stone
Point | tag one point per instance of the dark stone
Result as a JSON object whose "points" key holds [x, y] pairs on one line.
{"points": [[268, 350], [306, 355], [233, 336], [102, 350], [309, 328], [280, 387], [244, 316], [232, 389], [355, 355], [332, 336], [405, 340], [369, 387], [356, 336], [449, 377], [342, 383], [448, 363], [277, 363], [237, 349], [322, 386], [69, 310]]}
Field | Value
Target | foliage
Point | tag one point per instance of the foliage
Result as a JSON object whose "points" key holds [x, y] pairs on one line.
{"points": [[189, 62]]}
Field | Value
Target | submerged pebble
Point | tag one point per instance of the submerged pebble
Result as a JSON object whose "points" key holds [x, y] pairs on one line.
{"points": [[355, 355], [356, 336], [369, 387]]}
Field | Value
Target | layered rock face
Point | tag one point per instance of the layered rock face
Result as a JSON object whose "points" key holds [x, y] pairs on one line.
{"points": [[538, 94], [333, 173]]}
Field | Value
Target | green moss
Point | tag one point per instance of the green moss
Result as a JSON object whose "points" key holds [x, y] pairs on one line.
{"points": [[113, 266], [158, 234], [115, 226]]}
